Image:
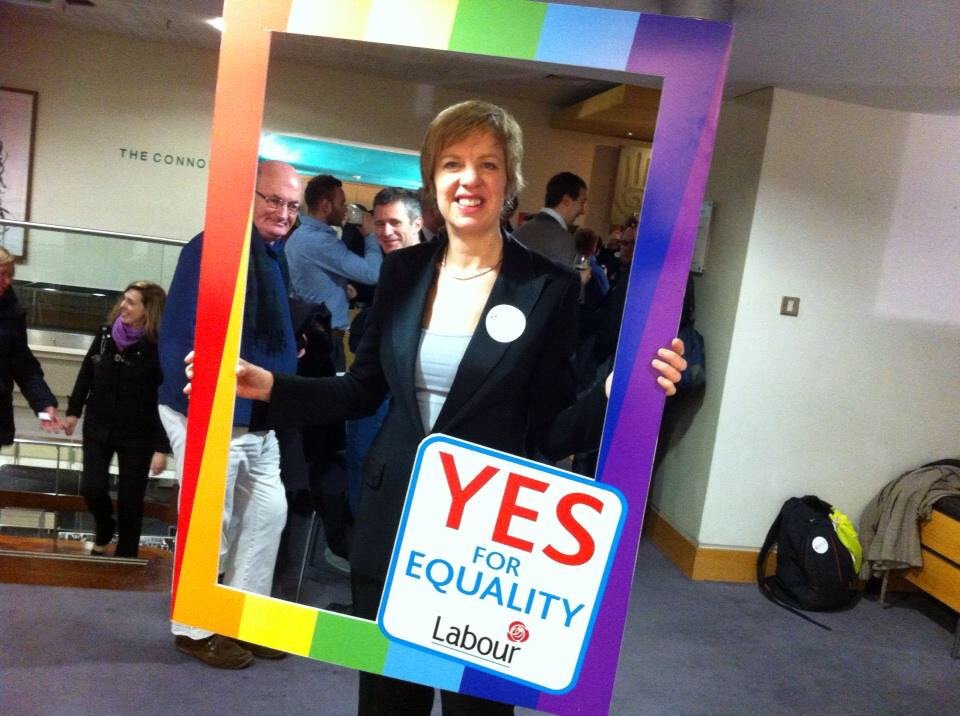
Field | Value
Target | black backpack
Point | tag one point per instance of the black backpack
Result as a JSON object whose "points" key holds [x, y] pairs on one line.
{"points": [[814, 569]]}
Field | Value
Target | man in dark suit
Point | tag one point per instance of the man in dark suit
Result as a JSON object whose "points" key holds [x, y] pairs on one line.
{"points": [[550, 232]]}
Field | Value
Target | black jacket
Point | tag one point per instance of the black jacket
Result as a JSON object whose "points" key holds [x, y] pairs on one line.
{"points": [[516, 396], [18, 364], [119, 391]]}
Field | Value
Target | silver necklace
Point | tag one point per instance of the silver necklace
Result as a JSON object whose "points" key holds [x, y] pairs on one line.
{"points": [[443, 267]]}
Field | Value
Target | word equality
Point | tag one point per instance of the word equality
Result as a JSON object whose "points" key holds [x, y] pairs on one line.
{"points": [[471, 581]]}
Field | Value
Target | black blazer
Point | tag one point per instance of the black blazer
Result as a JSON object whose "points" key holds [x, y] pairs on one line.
{"points": [[516, 396]]}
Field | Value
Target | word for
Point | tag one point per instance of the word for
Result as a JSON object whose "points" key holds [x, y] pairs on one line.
{"points": [[142, 155], [496, 560], [510, 509], [471, 582]]}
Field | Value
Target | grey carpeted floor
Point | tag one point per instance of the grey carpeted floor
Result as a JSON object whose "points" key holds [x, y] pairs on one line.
{"points": [[690, 648]]}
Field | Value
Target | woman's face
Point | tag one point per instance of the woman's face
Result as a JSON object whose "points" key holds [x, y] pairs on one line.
{"points": [[470, 179], [6, 277], [132, 311]]}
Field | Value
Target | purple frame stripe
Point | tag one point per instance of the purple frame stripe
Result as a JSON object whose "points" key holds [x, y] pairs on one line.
{"points": [[692, 58]]}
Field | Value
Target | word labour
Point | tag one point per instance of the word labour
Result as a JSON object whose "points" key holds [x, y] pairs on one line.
{"points": [[463, 639]]}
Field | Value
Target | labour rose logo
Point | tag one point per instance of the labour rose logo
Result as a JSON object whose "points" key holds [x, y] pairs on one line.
{"points": [[518, 632]]}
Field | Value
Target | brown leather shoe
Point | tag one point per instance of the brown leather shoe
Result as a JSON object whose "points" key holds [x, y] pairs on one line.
{"points": [[262, 652], [217, 651]]}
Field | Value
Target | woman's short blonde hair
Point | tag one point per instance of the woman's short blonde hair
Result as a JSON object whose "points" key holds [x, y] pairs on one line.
{"points": [[6, 257], [154, 298], [461, 120]]}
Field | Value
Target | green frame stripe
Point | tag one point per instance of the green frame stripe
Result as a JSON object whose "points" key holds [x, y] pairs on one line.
{"points": [[504, 28], [354, 643]]}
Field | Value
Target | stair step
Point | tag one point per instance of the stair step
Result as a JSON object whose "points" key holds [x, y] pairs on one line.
{"points": [[65, 563]]}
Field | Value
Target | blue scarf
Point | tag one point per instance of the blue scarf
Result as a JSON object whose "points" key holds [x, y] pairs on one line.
{"points": [[266, 302]]}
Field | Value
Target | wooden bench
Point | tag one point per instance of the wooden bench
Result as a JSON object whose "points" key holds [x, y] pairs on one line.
{"points": [[940, 575]]}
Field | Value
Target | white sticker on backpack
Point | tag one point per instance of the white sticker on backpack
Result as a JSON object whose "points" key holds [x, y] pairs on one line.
{"points": [[820, 545]]}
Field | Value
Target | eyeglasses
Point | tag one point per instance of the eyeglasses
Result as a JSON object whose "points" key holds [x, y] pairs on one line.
{"points": [[278, 204]]}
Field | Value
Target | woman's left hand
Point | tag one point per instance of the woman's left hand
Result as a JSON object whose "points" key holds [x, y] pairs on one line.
{"points": [[669, 362], [158, 463]]}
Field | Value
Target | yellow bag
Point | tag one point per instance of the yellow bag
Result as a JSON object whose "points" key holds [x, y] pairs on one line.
{"points": [[847, 534]]}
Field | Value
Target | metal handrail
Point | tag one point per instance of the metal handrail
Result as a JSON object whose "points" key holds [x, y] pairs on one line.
{"points": [[48, 442], [93, 232]]}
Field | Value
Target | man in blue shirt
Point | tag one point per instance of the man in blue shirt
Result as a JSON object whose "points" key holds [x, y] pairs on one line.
{"points": [[320, 264]]}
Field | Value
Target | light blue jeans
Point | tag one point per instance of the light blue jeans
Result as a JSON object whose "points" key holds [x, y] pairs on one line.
{"points": [[254, 508]]}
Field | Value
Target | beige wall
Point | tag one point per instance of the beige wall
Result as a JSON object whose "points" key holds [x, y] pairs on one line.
{"points": [[100, 94], [680, 486], [852, 212]]}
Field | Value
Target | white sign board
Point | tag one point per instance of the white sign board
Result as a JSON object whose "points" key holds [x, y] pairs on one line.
{"points": [[500, 563]]}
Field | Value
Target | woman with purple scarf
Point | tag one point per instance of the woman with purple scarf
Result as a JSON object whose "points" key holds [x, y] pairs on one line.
{"points": [[117, 384]]}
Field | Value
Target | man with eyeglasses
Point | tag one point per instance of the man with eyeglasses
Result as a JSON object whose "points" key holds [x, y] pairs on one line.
{"points": [[255, 506], [321, 264]]}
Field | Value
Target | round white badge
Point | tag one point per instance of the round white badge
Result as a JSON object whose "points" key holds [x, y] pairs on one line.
{"points": [[505, 323], [820, 545]]}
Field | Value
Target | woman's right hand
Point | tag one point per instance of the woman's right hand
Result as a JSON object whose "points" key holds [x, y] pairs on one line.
{"points": [[69, 424], [253, 382]]}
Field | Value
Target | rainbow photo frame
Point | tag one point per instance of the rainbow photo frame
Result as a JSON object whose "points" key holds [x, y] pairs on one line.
{"points": [[690, 56]]}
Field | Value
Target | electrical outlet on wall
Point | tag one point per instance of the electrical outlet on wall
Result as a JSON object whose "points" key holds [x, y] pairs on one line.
{"points": [[789, 306]]}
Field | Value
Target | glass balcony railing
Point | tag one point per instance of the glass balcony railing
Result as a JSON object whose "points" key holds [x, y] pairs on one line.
{"points": [[69, 278]]}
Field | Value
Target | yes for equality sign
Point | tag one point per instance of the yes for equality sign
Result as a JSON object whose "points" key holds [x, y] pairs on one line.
{"points": [[500, 563]]}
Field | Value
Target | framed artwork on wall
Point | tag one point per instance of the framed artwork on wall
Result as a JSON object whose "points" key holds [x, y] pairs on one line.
{"points": [[690, 59], [18, 122]]}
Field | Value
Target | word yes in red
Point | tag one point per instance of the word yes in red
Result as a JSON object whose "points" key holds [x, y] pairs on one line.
{"points": [[510, 508]]}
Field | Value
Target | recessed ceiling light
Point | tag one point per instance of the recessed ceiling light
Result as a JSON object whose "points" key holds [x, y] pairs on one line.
{"points": [[216, 22]]}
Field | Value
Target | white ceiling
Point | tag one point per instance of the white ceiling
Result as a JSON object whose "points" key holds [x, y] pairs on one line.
{"points": [[894, 54]]}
